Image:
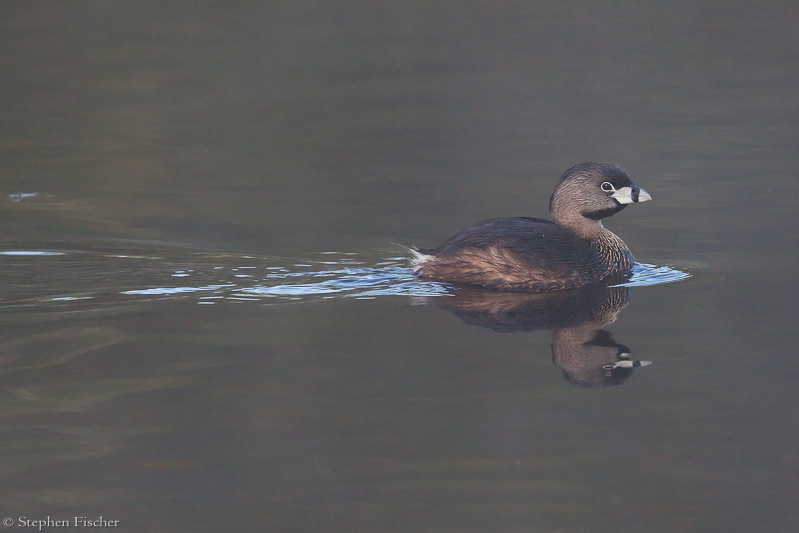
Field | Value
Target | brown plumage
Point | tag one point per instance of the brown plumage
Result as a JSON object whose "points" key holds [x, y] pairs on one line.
{"points": [[531, 254]]}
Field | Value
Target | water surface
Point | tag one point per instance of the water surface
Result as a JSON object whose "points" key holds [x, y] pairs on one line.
{"points": [[205, 325]]}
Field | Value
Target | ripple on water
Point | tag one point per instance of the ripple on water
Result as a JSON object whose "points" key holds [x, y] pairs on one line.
{"points": [[33, 253], [645, 274], [72, 278]]}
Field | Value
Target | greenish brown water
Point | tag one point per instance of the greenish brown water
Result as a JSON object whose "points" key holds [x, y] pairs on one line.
{"points": [[206, 326]]}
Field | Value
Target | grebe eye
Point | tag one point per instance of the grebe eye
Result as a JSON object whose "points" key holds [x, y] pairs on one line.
{"points": [[607, 186]]}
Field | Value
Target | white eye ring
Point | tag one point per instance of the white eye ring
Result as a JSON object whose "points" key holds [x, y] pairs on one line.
{"points": [[607, 186]]}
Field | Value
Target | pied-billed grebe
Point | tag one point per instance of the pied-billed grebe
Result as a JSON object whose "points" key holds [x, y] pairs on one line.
{"points": [[530, 254]]}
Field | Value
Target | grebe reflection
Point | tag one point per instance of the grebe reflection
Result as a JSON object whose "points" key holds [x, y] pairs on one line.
{"points": [[588, 354]]}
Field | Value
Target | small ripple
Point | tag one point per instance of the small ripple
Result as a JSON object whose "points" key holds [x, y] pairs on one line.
{"points": [[347, 283], [24, 253], [167, 291], [645, 274]]}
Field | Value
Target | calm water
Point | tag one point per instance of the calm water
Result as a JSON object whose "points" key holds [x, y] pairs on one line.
{"points": [[206, 325]]}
